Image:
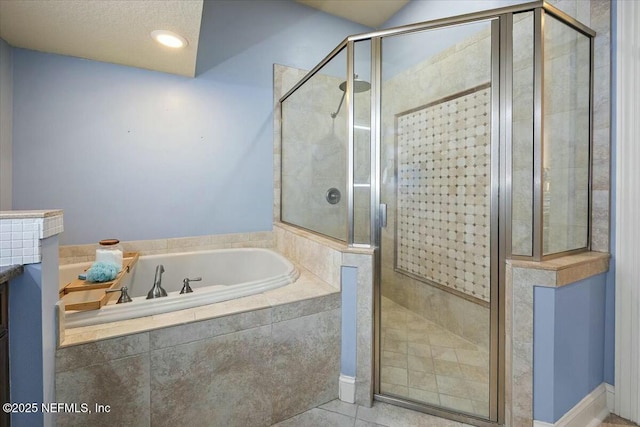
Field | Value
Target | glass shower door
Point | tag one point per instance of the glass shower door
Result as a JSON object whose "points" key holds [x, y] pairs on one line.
{"points": [[437, 275]]}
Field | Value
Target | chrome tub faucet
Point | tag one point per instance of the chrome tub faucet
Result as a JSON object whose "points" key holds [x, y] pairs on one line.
{"points": [[157, 291]]}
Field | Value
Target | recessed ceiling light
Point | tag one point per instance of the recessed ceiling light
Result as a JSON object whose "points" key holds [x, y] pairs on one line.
{"points": [[169, 38]]}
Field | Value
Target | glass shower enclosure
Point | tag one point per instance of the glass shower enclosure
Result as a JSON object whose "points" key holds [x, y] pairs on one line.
{"points": [[448, 146]]}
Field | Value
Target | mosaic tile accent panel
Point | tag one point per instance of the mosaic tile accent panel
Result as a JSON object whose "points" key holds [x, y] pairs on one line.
{"points": [[443, 212]]}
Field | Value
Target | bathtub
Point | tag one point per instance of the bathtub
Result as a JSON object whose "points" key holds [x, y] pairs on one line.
{"points": [[226, 274]]}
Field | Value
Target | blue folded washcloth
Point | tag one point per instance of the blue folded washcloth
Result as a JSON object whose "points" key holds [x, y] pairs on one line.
{"points": [[102, 272]]}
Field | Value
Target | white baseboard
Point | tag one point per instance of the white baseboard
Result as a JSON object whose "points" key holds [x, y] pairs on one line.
{"points": [[611, 396], [589, 412], [347, 389]]}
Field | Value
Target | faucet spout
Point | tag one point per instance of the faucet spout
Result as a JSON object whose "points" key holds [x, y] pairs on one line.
{"points": [[157, 291]]}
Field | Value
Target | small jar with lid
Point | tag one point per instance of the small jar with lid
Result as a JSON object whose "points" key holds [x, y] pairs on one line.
{"points": [[110, 250]]}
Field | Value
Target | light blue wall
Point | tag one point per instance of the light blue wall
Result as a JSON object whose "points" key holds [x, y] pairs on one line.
{"points": [[569, 327], [6, 120], [349, 285], [544, 320], [136, 154], [25, 320], [33, 335]]}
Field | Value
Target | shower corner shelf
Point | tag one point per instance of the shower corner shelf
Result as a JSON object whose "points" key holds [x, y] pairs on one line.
{"points": [[81, 295]]}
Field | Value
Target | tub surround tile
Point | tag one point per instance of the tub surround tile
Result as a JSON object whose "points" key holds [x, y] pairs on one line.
{"points": [[79, 356], [307, 287], [203, 372], [306, 307], [196, 331], [188, 242], [122, 383], [275, 356], [67, 253], [319, 259], [225, 308], [305, 377], [288, 232], [262, 239], [221, 379]]}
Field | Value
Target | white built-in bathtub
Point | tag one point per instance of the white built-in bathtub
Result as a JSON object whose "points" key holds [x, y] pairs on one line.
{"points": [[226, 274]]}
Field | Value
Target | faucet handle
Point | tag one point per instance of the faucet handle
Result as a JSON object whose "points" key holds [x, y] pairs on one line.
{"points": [[124, 294], [186, 289]]}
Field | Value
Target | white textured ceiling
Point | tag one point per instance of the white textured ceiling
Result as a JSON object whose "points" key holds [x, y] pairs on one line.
{"points": [[116, 31], [372, 13]]}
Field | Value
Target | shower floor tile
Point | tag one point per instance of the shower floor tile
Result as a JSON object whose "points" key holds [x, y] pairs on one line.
{"points": [[424, 362]]}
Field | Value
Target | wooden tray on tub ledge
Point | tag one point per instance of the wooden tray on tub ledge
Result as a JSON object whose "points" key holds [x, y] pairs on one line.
{"points": [[81, 295]]}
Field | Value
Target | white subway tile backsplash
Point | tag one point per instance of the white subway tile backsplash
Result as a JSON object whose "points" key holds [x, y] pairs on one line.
{"points": [[20, 238]]}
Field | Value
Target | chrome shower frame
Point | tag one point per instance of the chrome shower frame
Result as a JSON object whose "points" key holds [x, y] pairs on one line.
{"points": [[501, 173]]}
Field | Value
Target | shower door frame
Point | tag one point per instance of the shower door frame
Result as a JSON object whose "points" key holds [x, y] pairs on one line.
{"points": [[499, 49], [501, 182]]}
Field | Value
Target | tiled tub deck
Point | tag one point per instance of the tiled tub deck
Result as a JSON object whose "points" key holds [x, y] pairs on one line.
{"points": [[253, 361]]}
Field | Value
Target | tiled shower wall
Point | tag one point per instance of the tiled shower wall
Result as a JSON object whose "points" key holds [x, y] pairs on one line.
{"points": [[314, 156], [468, 318], [443, 198], [316, 144], [566, 136], [597, 15]]}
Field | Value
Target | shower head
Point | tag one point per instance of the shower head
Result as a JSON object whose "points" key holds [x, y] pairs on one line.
{"points": [[358, 87]]}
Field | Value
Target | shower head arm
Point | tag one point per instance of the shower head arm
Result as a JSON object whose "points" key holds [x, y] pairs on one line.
{"points": [[334, 115]]}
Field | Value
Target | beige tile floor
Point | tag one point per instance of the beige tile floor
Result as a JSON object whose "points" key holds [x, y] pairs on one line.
{"points": [[341, 414], [423, 361]]}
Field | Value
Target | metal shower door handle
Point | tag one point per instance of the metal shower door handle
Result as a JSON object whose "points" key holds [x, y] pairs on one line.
{"points": [[383, 215]]}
